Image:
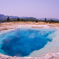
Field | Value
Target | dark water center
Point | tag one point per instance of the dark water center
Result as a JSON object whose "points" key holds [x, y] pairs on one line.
{"points": [[22, 42]]}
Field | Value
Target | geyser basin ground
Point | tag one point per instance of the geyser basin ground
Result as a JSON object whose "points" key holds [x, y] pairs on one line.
{"points": [[24, 42]]}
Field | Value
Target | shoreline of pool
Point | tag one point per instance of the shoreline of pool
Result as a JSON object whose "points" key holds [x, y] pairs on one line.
{"points": [[46, 56]]}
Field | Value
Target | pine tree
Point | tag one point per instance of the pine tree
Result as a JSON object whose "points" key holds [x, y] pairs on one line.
{"points": [[7, 19], [18, 19], [45, 19]]}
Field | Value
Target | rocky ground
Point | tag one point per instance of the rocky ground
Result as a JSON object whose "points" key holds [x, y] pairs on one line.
{"points": [[47, 56], [15, 25]]}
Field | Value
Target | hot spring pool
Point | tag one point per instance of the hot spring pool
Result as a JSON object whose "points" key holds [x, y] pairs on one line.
{"points": [[27, 42]]}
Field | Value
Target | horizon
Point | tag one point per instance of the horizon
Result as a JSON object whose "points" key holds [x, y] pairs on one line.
{"points": [[23, 17], [30, 8]]}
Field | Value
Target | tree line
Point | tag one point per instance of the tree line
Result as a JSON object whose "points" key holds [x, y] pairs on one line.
{"points": [[32, 20]]}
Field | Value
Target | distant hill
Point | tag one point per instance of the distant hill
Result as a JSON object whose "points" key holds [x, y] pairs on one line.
{"points": [[49, 19], [4, 17]]}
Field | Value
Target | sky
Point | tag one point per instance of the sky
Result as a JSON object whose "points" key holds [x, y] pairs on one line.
{"points": [[30, 8]]}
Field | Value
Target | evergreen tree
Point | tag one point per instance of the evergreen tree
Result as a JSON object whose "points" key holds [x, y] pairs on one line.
{"points": [[45, 19], [51, 20], [18, 19], [22, 19], [7, 19]]}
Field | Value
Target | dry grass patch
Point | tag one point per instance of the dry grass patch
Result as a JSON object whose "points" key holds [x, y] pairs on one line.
{"points": [[4, 29], [0, 24]]}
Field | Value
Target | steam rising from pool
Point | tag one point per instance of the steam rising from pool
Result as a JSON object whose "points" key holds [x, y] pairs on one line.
{"points": [[22, 42]]}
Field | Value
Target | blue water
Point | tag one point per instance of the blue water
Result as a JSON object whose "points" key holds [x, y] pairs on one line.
{"points": [[22, 42]]}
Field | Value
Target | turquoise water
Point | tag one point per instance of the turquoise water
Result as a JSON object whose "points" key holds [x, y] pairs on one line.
{"points": [[22, 42]]}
